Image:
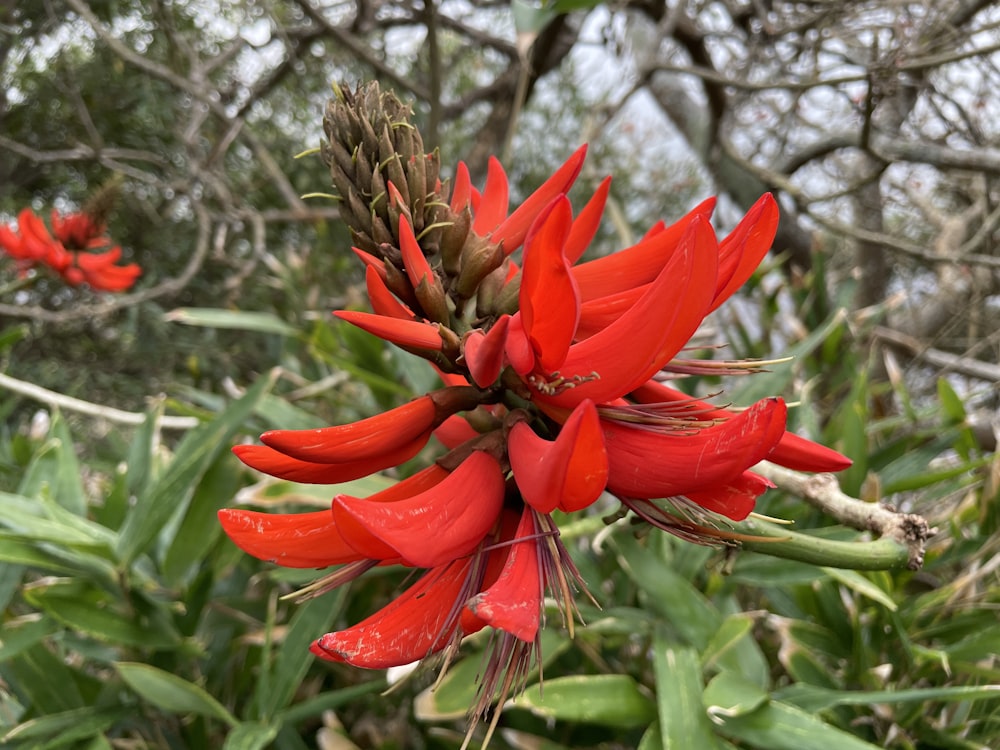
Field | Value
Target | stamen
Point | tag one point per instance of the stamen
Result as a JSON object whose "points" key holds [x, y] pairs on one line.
{"points": [[343, 574], [556, 383]]}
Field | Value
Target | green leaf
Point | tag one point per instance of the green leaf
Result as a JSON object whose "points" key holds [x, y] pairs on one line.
{"points": [[814, 699], [951, 404], [64, 727], [170, 493], [683, 721], [612, 700], [41, 678], [210, 317], [91, 611], [276, 688], [251, 736], [20, 635], [172, 693], [780, 726], [730, 694], [200, 527], [857, 582], [681, 604]]}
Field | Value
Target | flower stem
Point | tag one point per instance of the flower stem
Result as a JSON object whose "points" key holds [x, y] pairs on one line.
{"points": [[881, 554]]}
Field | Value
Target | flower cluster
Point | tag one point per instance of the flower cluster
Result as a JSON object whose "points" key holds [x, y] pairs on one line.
{"points": [[69, 250], [552, 395]]}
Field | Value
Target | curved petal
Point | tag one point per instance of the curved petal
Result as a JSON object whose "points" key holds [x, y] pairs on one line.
{"points": [[293, 540], [649, 464], [383, 301], [638, 264], [441, 524], [484, 352], [514, 603], [645, 337], [570, 472], [414, 261], [587, 222], [745, 247], [549, 301], [357, 441], [270, 461], [461, 193], [513, 231], [418, 622], [517, 347], [494, 201], [735, 499], [792, 451], [411, 333]]}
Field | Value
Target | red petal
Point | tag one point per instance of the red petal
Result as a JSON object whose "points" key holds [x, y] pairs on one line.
{"points": [[356, 534], [357, 441], [484, 352], [628, 352], [745, 247], [587, 222], [513, 231], [383, 301], [279, 465], [549, 301], [792, 451], [518, 348], [454, 431], [735, 499], [420, 621], [461, 194], [514, 602], [638, 264], [650, 464], [570, 472], [294, 540], [441, 524], [414, 261], [410, 333], [495, 199]]}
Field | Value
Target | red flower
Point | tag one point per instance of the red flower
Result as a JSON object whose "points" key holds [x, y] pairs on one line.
{"points": [[67, 254], [550, 402]]}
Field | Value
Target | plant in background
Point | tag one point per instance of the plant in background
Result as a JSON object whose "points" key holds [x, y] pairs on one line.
{"points": [[553, 395], [77, 248]]}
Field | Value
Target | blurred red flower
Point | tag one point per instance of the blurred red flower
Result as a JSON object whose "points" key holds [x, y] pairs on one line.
{"points": [[69, 253]]}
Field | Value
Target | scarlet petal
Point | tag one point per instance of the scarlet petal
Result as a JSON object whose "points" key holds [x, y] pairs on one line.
{"points": [[357, 441], [514, 602], [570, 472], [294, 540], [798, 453], [638, 264], [421, 620], [414, 261], [650, 464], [410, 333], [513, 231], [444, 523], [628, 352], [549, 301], [745, 247], [461, 194], [279, 465], [517, 347], [484, 352], [383, 301], [494, 201], [454, 431], [586, 223], [792, 451], [735, 499]]}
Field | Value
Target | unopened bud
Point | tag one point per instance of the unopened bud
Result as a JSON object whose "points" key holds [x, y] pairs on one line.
{"points": [[480, 257], [488, 294], [507, 301], [433, 300], [453, 237]]}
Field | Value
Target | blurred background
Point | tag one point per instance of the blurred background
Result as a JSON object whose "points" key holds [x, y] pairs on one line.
{"points": [[129, 621]]}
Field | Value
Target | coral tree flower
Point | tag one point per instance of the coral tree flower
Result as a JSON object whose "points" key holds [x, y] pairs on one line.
{"points": [[69, 250], [551, 398]]}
